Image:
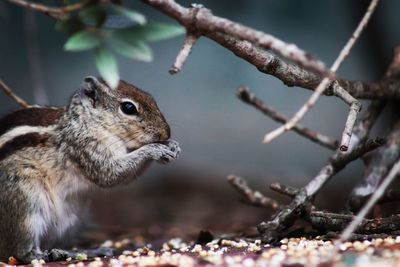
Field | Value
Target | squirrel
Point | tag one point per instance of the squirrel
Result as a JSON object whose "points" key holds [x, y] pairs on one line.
{"points": [[49, 158]]}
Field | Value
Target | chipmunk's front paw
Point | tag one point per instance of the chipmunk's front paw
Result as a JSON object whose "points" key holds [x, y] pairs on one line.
{"points": [[164, 153]]}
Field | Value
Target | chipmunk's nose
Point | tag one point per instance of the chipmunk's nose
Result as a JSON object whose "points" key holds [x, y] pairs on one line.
{"points": [[165, 133]]}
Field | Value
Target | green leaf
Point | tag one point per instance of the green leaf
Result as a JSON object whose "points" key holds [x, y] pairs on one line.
{"points": [[130, 14], [107, 65], [153, 32], [138, 50], [83, 40]]}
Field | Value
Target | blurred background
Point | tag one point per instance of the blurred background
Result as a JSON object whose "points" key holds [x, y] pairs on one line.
{"points": [[218, 134]]}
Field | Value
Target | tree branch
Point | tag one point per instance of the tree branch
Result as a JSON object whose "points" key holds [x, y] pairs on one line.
{"points": [[7, 90], [246, 96], [204, 21], [290, 74], [188, 43], [378, 167], [54, 12], [371, 202], [251, 196], [355, 107], [337, 222], [285, 190], [299, 115], [283, 219]]}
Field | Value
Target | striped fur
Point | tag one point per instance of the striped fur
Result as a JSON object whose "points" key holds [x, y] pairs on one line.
{"points": [[35, 116]]}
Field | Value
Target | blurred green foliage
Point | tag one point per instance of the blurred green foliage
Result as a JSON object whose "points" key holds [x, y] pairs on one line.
{"points": [[108, 29]]}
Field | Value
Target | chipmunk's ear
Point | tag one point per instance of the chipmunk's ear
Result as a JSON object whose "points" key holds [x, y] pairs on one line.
{"points": [[92, 88]]}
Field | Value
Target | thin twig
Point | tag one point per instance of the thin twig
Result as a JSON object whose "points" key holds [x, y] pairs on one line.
{"points": [[284, 189], [378, 166], [259, 38], [7, 90], [338, 161], [324, 83], [293, 75], [290, 74], [371, 202], [188, 43], [54, 12], [355, 107], [337, 222], [204, 21], [252, 197], [386, 157], [368, 119], [246, 96], [272, 229]]}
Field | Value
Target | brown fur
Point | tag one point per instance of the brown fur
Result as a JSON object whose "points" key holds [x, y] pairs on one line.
{"points": [[36, 116], [27, 140]]}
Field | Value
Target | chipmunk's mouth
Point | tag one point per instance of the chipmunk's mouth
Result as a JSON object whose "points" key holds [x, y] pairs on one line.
{"points": [[131, 149]]}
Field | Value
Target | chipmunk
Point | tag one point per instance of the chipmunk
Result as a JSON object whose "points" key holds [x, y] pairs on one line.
{"points": [[49, 158]]}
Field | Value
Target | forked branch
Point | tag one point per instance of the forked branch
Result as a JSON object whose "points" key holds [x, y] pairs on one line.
{"points": [[299, 115], [246, 96], [204, 21]]}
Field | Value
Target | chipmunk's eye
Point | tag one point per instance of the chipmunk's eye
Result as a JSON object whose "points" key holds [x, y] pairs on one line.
{"points": [[129, 108]]}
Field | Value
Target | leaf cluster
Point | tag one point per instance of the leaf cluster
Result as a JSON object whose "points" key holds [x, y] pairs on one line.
{"points": [[108, 30]]}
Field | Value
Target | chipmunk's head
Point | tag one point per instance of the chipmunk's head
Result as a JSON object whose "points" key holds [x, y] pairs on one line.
{"points": [[125, 112]]}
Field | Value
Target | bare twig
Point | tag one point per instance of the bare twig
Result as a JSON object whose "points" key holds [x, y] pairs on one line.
{"points": [[188, 43], [355, 107], [284, 189], [7, 90], [204, 21], [272, 229], [324, 83], [54, 12], [371, 202], [337, 222], [378, 166], [338, 161], [252, 197], [368, 119], [293, 75], [246, 96], [290, 74]]}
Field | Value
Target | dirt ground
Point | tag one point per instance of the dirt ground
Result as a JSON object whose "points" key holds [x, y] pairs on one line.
{"points": [[175, 221], [293, 252]]}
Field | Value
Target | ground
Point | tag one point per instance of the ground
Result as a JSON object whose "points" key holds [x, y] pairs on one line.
{"points": [[174, 220], [239, 252]]}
